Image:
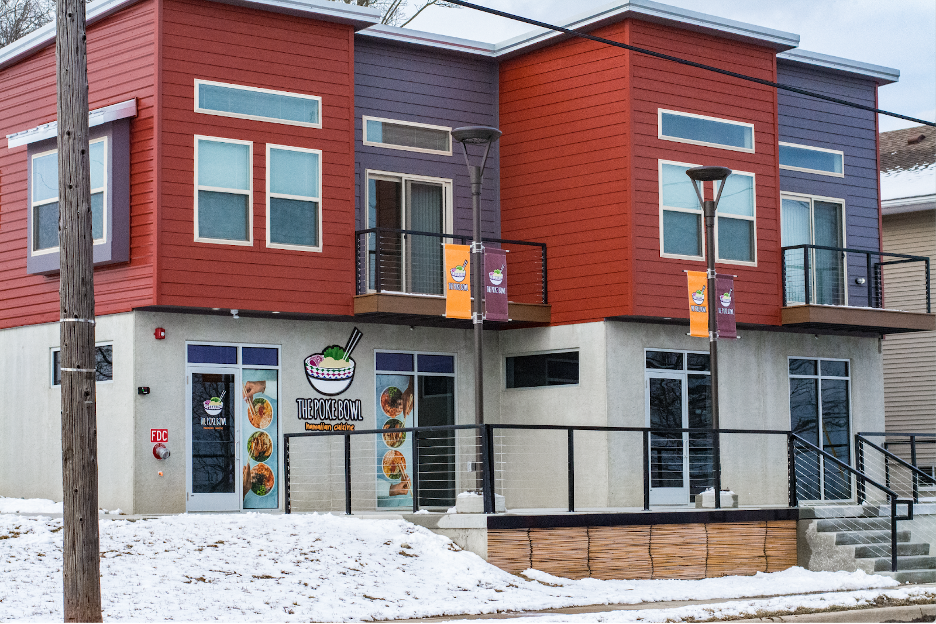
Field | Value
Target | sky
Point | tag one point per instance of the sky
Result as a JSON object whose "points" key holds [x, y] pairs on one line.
{"points": [[900, 34]]}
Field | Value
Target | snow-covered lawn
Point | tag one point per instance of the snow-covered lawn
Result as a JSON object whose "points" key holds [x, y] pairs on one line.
{"points": [[251, 567]]}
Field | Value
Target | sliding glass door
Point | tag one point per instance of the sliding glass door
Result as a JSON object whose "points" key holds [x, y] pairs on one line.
{"points": [[814, 221]]}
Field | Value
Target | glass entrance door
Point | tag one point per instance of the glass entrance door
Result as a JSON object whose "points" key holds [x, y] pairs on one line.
{"points": [[213, 479], [678, 397], [812, 221]]}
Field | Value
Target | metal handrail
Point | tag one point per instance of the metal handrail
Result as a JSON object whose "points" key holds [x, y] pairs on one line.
{"points": [[914, 471], [872, 270]]}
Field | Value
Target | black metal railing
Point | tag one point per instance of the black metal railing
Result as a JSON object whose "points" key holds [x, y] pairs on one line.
{"points": [[817, 274], [901, 470], [410, 261]]}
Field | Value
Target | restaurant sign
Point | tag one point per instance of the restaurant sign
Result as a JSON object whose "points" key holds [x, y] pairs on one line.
{"points": [[495, 284], [330, 373], [699, 302], [457, 281]]}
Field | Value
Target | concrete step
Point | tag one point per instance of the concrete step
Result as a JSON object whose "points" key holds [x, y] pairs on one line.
{"points": [[884, 550], [905, 563], [853, 524], [870, 537], [912, 576]]}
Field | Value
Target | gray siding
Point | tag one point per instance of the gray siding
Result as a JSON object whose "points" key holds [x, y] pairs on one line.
{"points": [[408, 83], [808, 121]]}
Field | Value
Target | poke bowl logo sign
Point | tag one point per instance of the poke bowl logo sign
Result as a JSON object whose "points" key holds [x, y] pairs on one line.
{"points": [[330, 373]]}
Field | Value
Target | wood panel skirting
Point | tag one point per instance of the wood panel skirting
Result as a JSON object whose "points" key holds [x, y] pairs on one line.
{"points": [[659, 551]]}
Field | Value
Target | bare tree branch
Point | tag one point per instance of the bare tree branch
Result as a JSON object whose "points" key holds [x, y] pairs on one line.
{"points": [[395, 12], [18, 18]]}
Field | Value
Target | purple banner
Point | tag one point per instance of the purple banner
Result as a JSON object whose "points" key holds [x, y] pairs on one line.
{"points": [[495, 284], [724, 304]]}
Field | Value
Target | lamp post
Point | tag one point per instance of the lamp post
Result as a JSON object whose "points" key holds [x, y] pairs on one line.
{"points": [[486, 136], [699, 175]]}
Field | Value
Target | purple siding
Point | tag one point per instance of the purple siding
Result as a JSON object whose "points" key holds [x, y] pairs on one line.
{"points": [[409, 83], [808, 121]]}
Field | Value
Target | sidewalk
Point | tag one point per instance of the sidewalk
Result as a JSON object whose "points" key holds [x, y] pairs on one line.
{"points": [[925, 612]]}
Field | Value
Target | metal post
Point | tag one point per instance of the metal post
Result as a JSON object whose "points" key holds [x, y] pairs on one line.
{"points": [[347, 473], [477, 286], [646, 469], [859, 461], [571, 459], [928, 309], [414, 485], [791, 468], [487, 467], [893, 502], [708, 207], [286, 466], [807, 276], [870, 282], [377, 279], [916, 477], [546, 279]]}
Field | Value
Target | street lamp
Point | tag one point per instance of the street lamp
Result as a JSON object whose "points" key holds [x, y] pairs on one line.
{"points": [[698, 175], [486, 136]]}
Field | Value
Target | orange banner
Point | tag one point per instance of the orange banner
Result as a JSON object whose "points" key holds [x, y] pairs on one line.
{"points": [[458, 281], [698, 304]]}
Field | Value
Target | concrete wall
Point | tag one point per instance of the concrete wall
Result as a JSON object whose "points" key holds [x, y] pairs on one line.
{"points": [[31, 464]]}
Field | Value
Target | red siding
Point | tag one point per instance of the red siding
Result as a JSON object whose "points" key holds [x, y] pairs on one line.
{"points": [[120, 67], [254, 48], [579, 167], [563, 111]]}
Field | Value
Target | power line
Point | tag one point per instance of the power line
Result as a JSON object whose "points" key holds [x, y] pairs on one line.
{"points": [[676, 59]]}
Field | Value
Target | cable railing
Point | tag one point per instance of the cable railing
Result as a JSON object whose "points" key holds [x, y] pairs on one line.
{"points": [[410, 262], [838, 276]]}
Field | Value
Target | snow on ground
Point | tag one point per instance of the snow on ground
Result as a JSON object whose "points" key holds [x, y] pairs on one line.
{"points": [[29, 506], [252, 567]]}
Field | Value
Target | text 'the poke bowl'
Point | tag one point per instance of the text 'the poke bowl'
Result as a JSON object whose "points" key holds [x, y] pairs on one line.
{"points": [[325, 377]]}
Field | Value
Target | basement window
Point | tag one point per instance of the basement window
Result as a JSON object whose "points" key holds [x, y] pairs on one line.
{"points": [[103, 364], [543, 369]]}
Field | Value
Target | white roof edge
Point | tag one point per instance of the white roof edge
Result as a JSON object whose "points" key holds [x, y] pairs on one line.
{"points": [[659, 12], [99, 116], [882, 75], [418, 37], [908, 204], [359, 17]]}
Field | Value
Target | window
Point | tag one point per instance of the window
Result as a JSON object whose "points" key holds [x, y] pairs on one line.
{"points": [[812, 159], [819, 402], [109, 156], [408, 262], [736, 240], [224, 191], [809, 220], [407, 135], [543, 369], [680, 213], [103, 364], [227, 100], [294, 182], [700, 130]]}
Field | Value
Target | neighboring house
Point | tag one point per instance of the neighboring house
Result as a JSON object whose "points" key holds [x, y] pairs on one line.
{"points": [[908, 207], [267, 180]]}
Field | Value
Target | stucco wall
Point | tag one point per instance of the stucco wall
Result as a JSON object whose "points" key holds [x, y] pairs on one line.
{"points": [[31, 464]]}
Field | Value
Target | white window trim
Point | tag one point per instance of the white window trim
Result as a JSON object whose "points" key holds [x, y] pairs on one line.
{"points": [[270, 194], [55, 350], [399, 122], [249, 193], [695, 211], [33, 204], [815, 149], [752, 219], [287, 122], [733, 122], [812, 220]]}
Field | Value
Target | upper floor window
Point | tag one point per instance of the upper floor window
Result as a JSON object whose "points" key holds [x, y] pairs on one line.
{"points": [[224, 191], [109, 155], [702, 130], [812, 159], [227, 100], [681, 221], [294, 182], [44, 197], [407, 135]]}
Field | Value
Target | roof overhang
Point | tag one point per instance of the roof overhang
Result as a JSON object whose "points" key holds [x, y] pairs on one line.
{"points": [[878, 73], [96, 117], [908, 204], [325, 10]]}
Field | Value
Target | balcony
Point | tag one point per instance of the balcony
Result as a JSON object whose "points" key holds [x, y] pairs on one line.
{"points": [[400, 277], [852, 290]]}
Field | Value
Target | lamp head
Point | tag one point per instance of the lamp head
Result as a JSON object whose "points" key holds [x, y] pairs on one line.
{"points": [[708, 174], [476, 135]]}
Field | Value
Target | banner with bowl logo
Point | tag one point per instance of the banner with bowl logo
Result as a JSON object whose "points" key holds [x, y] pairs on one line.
{"points": [[698, 302], [495, 284], [457, 281], [395, 402], [724, 306], [259, 434]]}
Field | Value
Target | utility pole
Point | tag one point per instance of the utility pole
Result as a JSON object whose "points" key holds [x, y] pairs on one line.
{"points": [[81, 551]]}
